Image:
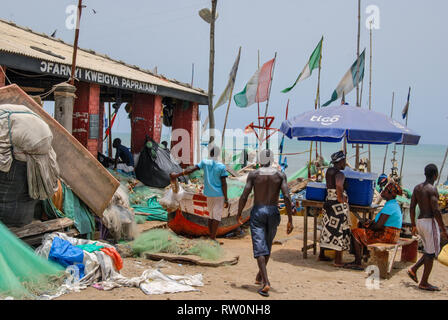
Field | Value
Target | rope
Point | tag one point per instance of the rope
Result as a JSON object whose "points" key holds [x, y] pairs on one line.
{"points": [[293, 153], [1, 68]]}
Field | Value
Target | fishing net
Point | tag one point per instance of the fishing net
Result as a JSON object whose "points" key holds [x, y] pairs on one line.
{"points": [[23, 274], [165, 241]]}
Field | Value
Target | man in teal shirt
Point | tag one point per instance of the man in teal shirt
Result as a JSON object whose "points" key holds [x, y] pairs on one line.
{"points": [[215, 187]]}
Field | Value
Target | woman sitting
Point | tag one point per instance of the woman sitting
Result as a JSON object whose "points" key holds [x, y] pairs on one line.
{"points": [[385, 228]]}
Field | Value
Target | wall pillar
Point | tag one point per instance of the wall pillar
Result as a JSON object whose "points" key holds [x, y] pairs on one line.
{"points": [[145, 120], [2, 76], [86, 115], [101, 128], [184, 116]]}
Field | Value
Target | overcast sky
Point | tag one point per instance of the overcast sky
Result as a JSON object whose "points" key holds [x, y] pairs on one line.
{"points": [[409, 48]]}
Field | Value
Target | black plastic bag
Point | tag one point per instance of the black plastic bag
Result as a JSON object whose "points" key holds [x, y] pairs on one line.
{"points": [[16, 206], [155, 165]]}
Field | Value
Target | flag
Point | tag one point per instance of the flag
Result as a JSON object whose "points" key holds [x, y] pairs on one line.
{"points": [[225, 96], [350, 79], [404, 113], [313, 63], [257, 89]]}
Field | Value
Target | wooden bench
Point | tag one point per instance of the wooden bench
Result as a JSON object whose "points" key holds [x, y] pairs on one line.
{"points": [[383, 254]]}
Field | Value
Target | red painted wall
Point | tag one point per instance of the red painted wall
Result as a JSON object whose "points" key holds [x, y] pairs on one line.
{"points": [[145, 120], [2, 77], [184, 119], [86, 103], [101, 134]]}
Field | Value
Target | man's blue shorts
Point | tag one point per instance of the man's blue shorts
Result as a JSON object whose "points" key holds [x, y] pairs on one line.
{"points": [[264, 221]]}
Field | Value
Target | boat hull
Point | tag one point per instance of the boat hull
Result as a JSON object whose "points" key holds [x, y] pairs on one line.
{"points": [[192, 217]]}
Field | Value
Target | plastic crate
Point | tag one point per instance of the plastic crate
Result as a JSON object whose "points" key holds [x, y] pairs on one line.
{"points": [[360, 187], [316, 191]]}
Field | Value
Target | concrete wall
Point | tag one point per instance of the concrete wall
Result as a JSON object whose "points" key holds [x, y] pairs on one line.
{"points": [[184, 116], [145, 120], [87, 103]]}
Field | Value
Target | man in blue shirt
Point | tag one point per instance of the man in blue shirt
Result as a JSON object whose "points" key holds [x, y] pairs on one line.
{"points": [[215, 187], [123, 157]]}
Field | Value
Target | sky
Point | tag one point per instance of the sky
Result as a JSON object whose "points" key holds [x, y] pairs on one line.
{"points": [[409, 49]]}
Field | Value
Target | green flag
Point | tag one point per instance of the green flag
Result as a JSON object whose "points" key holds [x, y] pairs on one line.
{"points": [[313, 63]]}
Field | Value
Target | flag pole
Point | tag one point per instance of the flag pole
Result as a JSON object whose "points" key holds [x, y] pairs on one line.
{"points": [[404, 146], [441, 169], [258, 102], [317, 101], [228, 107], [211, 114], [369, 166], [267, 103], [387, 146], [357, 72]]}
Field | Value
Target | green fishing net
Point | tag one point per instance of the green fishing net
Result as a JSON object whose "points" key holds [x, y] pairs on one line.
{"points": [[165, 241], [23, 274]]}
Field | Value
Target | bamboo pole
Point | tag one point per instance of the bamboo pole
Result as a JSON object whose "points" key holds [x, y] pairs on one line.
{"points": [[192, 74], [441, 169], [211, 114], [75, 44], [387, 146], [228, 107], [404, 146]]}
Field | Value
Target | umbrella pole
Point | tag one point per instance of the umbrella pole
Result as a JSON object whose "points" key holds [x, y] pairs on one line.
{"points": [[441, 169], [404, 146], [309, 163], [387, 146], [370, 92]]}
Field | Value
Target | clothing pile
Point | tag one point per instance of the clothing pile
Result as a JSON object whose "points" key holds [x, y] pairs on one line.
{"points": [[98, 264]]}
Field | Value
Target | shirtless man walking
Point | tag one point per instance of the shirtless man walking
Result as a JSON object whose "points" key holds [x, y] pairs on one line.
{"points": [[265, 217], [426, 196]]}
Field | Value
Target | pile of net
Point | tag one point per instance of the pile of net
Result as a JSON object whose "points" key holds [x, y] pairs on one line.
{"points": [[165, 241], [24, 274]]}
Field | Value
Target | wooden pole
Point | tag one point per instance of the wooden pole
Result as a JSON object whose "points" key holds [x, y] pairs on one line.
{"points": [[267, 102], [317, 101], [357, 69], [75, 44], [228, 107], [441, 169], [211, 114], [258, 102], [387, 146], [110, 134], [369, 168], [404, 146], [192, 74]]}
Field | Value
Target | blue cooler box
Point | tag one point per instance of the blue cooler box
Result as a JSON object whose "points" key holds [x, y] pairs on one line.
{"points": [[316, 191], [360, 187]]}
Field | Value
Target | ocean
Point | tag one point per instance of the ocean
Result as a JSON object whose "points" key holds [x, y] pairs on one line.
{"points": [[415, 159]]}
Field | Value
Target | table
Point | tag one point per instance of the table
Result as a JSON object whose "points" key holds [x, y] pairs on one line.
{"points": [[314, 208]]}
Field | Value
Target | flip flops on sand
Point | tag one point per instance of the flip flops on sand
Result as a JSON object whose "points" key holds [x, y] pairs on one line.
{"points": [[429, 288], [412, 275], [264, 291]]}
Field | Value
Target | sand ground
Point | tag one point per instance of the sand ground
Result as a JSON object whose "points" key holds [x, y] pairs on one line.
{"points": [[291, 276]]}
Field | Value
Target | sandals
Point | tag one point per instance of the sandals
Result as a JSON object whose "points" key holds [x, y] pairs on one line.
{"points": [[264, 293], [429, 288], [412, 275], [353, 266]]}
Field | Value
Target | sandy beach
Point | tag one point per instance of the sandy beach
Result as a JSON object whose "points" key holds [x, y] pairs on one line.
{"points": [[291, 277]]}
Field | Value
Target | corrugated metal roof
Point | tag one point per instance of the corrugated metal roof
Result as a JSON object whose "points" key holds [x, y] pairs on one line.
{"points": [[21, 41]]}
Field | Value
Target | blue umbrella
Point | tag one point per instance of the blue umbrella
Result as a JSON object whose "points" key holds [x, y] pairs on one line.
{"points": [[357, 124]]}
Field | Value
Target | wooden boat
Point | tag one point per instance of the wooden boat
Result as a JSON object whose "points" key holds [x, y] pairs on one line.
{"points": [[193, 216]]}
